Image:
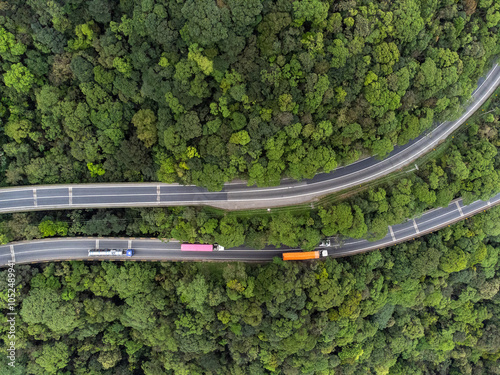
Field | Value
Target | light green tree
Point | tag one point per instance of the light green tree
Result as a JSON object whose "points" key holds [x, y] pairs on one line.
{"points": [[19, 77]]}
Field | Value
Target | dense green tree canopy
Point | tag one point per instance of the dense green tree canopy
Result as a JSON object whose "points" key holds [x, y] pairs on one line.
{"points": [[217, 90]]}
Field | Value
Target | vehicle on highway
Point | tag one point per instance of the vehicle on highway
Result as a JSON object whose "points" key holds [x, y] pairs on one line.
{"points": [[325, 243], [305, 255], [201, 247], [111, 252]]}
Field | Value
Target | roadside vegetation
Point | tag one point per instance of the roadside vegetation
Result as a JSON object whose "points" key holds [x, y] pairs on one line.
{"points": [[468, 167], [202, 92], [424, 307]]}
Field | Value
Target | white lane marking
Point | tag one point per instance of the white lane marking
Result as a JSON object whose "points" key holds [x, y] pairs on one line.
{"points": [[392, 233], [34, 197], [97, 244], [415, 226], [12, 254], [129, 244], [423, 222], [158, 193], [489, 203], [70, 193], [459, 208]]}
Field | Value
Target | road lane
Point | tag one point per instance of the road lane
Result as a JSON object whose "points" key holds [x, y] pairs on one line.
{"points": [[150, 249]]}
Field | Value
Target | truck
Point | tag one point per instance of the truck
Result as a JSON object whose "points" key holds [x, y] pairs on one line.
{"points": [[111, 252], [305, 255], [201, 247]]}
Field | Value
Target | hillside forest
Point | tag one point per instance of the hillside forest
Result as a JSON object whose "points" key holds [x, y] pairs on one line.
{"points": [[429, 306], [202, 92]]}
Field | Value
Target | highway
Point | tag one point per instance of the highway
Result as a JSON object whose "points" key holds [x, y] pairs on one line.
{"points": [[236, 196], [76, 248]]}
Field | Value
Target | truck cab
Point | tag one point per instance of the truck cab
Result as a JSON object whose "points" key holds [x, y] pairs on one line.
{"points": [[130, 252], [323, 253], [218, 247]]}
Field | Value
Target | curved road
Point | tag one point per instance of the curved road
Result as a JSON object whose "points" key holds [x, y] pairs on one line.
{"points": [[237, 196], [76, 248]]}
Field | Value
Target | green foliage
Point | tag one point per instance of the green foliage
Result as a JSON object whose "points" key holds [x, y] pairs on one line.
{"points": [[145, 122], [84, 36], [95, 170], [53, 357], [240, 138], [389, 310], [49, 228], [19, 77], [99, 77], [9, 45]]}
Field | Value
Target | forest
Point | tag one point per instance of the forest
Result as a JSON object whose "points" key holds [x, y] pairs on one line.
{"points": [[429, 306], [203, 92]]}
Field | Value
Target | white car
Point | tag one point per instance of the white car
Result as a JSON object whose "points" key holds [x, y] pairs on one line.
{"points": [[325, 243]]}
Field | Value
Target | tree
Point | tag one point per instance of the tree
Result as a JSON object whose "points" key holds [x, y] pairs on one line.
{"points": [[9, 45], [49, 228], [53, 357], [454, 260], [145, 122], [310, 10], [18, 129], [407, 20], [109, 359], [240, 138], [100, 10], [337, 220], [19, 78], [45, 306], [205, 23]]}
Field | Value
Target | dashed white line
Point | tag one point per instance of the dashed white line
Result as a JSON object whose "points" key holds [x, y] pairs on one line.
{"points": [[158, 194], [392, 233], [459, 208], [415, 226], [129, 244], [70, 193], [12, 254], [34, 197], [96, 244]]}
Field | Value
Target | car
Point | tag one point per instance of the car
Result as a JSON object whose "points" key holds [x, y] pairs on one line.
{"points": [[325, 243]]}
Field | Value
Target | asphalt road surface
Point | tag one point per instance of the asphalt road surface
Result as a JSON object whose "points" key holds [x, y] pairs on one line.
{"points": [[76, 248], [237, 196]]}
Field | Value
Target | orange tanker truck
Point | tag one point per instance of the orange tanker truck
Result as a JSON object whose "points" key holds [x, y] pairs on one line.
{"points": [[305, 255]]}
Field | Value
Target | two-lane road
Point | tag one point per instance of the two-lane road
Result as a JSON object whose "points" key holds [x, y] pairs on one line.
{"points": [[76, 248], [236, 196]]}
